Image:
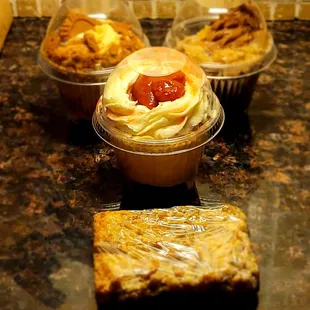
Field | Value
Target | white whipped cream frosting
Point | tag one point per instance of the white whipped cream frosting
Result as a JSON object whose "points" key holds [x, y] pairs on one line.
{"points": [[169, 119]]}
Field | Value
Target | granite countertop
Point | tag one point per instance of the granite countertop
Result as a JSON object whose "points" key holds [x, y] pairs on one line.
{"points": [[54, 175]]}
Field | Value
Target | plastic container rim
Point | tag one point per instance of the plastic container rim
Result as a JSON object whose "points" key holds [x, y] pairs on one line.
{"points": [[43, 63], [216, 122]]}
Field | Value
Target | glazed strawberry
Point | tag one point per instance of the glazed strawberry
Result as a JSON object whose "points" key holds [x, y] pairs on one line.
{"points": [[167, 90], [148, 91], [141, 92]]}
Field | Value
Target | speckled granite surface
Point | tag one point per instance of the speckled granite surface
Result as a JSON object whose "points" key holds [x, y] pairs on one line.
{"points": [[53, 178]]}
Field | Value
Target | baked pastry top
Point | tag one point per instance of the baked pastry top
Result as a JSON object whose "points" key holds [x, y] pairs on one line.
{"points": [[238, 36], [82, 43], [185, 248]]}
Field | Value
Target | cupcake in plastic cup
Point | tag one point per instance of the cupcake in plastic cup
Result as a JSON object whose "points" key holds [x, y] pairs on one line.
{"points": [[158, 112], [83, 43], [230, 41]]}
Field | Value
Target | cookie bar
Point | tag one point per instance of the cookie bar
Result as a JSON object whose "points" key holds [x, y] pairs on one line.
{"points": [[182, 249]]}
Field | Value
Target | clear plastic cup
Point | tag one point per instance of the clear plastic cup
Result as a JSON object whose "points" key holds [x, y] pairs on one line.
{"points": [[152, 160], [233, 60], [81, 84]]}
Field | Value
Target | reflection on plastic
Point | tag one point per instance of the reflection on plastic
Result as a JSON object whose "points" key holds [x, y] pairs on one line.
{"points": [[157, 61]]}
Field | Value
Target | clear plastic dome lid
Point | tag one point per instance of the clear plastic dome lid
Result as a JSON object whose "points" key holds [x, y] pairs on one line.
{"points": [[89, 38], [223, 36], [159, 61], [158, 94]]}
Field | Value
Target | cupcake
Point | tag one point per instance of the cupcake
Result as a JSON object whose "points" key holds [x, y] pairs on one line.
{"points": [[231, 43], [158, 111], [84, 42]]}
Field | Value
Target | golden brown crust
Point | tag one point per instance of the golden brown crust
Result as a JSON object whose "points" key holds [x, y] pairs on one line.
{"points": [[237, 36], [145, 253], [91, 43], [233, 29], [85, 54], [74, 24]]}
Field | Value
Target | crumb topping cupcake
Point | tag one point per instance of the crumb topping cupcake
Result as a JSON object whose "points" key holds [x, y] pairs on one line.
{"points": [[236, 37], [82, 43], [230, 41]]}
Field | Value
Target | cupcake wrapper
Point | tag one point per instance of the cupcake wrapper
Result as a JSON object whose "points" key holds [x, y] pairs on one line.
{"points": [[80, 101], [235, 94], [162, 171]]}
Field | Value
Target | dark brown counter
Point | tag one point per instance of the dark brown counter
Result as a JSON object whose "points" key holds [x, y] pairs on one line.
{"points": [[53, 177]]}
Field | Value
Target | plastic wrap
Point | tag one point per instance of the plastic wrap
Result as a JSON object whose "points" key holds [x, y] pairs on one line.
{"points": [[185, 248]]}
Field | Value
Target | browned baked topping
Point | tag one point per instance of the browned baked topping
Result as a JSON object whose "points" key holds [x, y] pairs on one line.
{"points": [[74, 24], [90, 41], [144, 253], [237, 36], [232, 29], [82, 43], [239, 16]]}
